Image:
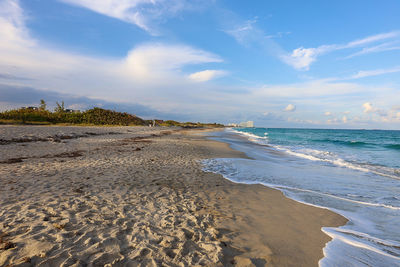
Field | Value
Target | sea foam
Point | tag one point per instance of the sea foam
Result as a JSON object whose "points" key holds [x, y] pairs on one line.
{"points": [[325, 178]]}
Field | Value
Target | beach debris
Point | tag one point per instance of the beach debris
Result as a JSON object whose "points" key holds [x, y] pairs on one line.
{"points": [[26, 259], [5, 244], [59, 226], [13, 160], [55, 138], [72, 154], [79, 190]]}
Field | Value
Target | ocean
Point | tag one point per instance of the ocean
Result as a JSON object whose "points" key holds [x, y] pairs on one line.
{"points": [[355, 173]]}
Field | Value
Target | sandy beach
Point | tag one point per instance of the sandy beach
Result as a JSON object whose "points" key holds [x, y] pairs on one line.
{"points": [[137, 196]]}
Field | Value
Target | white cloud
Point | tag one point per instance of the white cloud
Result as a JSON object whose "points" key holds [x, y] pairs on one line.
{"points": [[328, 113], [345, 119], [301, 58], [13, 33], [368, 107], [206, 75], [381, 115], [290, 108], [142, 13], [149, 59]]}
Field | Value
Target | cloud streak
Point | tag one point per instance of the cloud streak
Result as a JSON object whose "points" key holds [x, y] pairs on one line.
{"points": [[301, 58], [206, 75], [142, 13], [388, 46], [369, 73], [243, 32]]}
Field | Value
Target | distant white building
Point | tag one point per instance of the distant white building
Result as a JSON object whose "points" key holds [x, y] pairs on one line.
{"points": [[247, 124]]}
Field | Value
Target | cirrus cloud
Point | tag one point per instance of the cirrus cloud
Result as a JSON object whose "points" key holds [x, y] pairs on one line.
{"points": [[301, 58], [142, 13]]}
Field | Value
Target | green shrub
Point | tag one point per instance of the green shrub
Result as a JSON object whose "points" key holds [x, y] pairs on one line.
{"points": [[95, 116]]}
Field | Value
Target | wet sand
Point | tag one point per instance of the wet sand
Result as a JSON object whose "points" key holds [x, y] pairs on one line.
{"points": [[136, 196]]}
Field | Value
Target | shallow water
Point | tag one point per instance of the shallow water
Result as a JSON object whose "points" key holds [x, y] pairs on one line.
{"points": [[355, 173]]}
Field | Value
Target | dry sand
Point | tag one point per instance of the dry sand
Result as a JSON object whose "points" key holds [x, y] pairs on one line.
{"points": [[136, 196]]}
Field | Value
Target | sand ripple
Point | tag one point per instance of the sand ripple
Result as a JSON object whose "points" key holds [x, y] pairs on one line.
{"points": [[121, 202]]}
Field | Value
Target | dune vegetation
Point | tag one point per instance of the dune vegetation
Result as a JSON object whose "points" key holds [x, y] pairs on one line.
{"points": [[94, 116]]}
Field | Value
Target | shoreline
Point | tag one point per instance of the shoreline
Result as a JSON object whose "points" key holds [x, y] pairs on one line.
{"points": [[141, 197], [286, 240]]}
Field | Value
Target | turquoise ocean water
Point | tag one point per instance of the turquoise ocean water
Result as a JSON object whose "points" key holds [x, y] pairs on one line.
{"points": [[355, 173]]}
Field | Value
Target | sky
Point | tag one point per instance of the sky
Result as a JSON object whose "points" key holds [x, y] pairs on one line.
{"points": [[314, 64]]}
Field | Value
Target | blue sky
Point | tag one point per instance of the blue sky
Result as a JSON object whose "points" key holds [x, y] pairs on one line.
{"points": [[324, 64]]}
